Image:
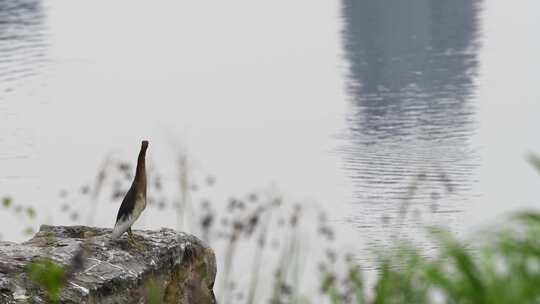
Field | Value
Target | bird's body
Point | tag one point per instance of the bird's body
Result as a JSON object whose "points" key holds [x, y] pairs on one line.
{"points": [[134, 202]]}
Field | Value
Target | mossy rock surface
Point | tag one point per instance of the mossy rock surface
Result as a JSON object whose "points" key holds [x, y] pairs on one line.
{"points": [[101, 270]]}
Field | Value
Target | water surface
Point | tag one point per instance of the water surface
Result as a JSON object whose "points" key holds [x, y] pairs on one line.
{"points": [[345, 104]]}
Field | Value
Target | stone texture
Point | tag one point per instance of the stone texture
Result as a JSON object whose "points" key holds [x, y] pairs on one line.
{"points": [[101, 270]]}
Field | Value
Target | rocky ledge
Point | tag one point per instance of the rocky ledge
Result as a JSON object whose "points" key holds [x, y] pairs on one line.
{"points": [[162, 267]]}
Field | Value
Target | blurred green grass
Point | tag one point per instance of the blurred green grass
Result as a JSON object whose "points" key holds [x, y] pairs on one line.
{"points": [[502, 266]]}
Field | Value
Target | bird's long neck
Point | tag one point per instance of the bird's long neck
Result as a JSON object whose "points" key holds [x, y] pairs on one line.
{"points": [[140, 173]]}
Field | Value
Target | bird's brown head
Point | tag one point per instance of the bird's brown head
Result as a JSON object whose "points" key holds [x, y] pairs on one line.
{"points": [[142, 153], [144, 146], [140, 173]]}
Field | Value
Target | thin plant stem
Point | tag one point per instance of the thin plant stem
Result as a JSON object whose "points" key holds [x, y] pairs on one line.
{"points": [[98, 186], [229, 255], [184, 183], [258, 258]]}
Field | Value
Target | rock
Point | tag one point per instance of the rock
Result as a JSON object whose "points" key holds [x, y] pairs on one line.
{"points": [[97, 269]]}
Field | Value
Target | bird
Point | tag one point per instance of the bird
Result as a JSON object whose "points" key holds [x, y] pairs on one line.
{"points": [[134, 201]]}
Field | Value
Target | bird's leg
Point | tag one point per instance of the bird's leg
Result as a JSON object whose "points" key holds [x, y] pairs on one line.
{"points": [[131, 239]]}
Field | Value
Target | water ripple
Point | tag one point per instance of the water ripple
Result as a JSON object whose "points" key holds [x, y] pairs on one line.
{"points": [[22, 41], [411, 82], [23, 48]]}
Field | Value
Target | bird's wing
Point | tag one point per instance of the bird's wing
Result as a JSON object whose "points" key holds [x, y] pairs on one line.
{"points": [[127, 206]]}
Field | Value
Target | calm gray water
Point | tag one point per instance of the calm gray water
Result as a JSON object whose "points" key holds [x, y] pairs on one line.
{"points": [[22, 49], [23, 56], [412, 84], [350, 108]]}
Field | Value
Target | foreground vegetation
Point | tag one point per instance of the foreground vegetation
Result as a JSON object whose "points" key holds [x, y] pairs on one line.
{"points": [[498, 265], [503, 267]]}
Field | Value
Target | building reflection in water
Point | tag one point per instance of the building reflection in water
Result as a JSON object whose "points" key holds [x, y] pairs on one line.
{"points": [[411, 81]]}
